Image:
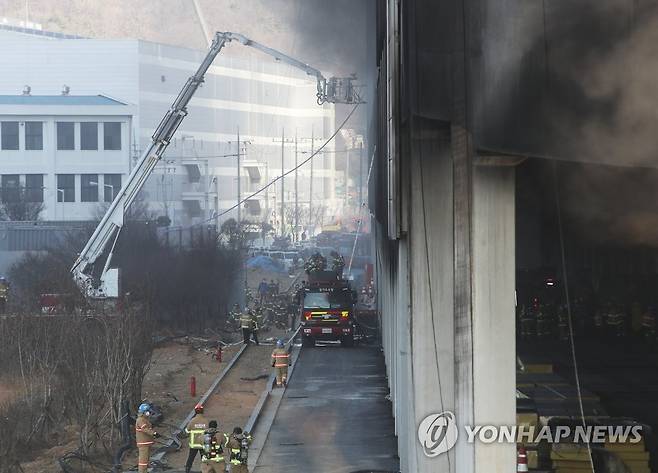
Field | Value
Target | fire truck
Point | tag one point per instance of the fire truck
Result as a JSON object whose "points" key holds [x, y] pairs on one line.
{"points": [[327, 309]]}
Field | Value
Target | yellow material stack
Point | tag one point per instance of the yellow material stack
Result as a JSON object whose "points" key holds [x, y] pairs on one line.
{"points": [[634, 455], [544, 368], [569, 458]]}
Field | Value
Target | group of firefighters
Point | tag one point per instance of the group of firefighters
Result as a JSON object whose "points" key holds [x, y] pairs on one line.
{"points": [[317, 263], [544, 320], [216, 449]]}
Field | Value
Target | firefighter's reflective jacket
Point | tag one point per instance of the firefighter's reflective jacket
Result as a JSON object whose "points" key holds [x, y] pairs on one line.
{"points": [[196, 429], [280, 358], [213, 448], [144, 433], [246, 321], [239, 451]]}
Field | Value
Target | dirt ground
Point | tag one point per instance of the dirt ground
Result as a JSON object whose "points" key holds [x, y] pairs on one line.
{"points": [[167, 383], [234, 400]]}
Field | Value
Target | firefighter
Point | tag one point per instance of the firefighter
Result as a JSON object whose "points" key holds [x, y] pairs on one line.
{"points": [[4, 294], [263, 289], [195, 429], [246, 325], [527, 322], [293, 308], [649, 325], [563, 323], [280, 363], [234, 315], [238, 444], [255, 325], [145, 436], [337, 263], [214, 445], [273, 288], [315, 263]]}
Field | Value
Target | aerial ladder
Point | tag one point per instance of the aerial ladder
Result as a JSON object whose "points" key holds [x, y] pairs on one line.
{"points": [[92, 270]]}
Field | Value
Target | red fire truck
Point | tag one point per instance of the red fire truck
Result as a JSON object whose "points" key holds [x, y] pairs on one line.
{"points": [[327, 311]]}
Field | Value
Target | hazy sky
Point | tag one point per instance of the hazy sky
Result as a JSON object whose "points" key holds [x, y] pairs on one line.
{"points": [[328, 34]]}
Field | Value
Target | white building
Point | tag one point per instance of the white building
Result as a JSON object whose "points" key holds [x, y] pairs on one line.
{"points": [[253, 94], [70, 152]]}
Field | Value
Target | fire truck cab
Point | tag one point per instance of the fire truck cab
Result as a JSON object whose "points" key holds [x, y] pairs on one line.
{"points": [[327, 310]]}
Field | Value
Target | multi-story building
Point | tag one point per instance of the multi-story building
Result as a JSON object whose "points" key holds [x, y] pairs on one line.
{"points": [[70, 153], [262, 100]]}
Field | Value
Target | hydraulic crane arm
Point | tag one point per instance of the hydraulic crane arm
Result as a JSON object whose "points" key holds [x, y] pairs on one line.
{"points": [[98, 282], [334, 90]]}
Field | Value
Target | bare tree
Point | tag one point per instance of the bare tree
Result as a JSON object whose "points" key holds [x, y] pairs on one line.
{"points": [[19, 205]]}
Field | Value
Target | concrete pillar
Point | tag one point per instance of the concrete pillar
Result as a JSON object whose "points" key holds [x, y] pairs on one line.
{"points": [[431, 286], [446, 295], [494, 347]]}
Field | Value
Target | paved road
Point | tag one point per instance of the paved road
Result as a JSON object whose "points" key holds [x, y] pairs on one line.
{"points": [[334, 417]]}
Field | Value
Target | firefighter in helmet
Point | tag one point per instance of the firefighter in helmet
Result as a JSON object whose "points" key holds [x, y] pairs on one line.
{"points": [[246, 325], [256, 322], [238, 444], [234, 315], [215, 443], [280, 363], [337, 263], [195, 429], [145, 436]]}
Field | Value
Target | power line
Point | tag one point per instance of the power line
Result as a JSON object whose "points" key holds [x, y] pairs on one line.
{"points": [[207, 156], [282, 176], [566, 295], [290, 171]]}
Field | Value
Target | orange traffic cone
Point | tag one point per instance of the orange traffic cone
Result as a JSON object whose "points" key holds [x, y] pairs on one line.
{"points": [[521, 460]]}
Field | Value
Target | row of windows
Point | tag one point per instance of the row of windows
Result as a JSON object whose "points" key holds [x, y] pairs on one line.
{"points": [[9, 135], [89, 187], [12, 191], [11, 188]]}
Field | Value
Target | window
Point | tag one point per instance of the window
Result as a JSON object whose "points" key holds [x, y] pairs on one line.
{"points": [[9, 135], [112, 132], [10, 188], [89, 187], [111, 187], [65, 135], [89, 136], [326, 300], [33, 135], [34, 187], [66, 188]]}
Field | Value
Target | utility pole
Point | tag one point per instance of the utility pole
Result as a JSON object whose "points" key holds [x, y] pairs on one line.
{"points": [[347, 173], [360, 175], [294, 233], [283, 198], [239, 177], [310, 186]]}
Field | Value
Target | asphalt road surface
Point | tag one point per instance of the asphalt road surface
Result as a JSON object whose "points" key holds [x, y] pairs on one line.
{"points": [[334, 417]]}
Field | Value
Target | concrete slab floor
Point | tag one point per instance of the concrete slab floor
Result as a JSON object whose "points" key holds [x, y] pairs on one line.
{"points": [[334, 417]]}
